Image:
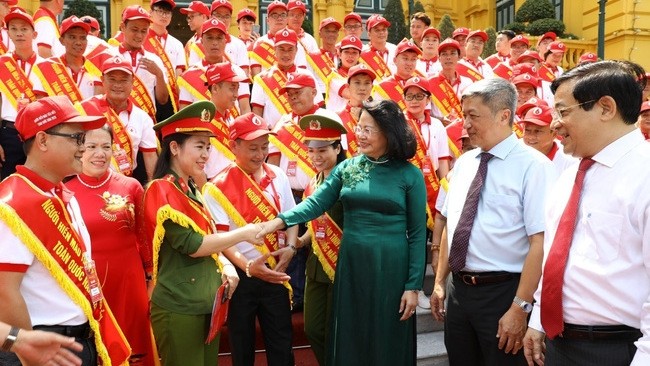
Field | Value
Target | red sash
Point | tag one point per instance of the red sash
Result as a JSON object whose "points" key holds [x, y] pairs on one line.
{"points": [[430, 178], [43, 15], [163, 201], [3, 47], [454, 131], [464, 69], [95, 58], [14, 84], [43, 225], [349, 121], [221, 141], [56, 80], [321, 63], [545, 73], [326, 236], [376, 63], [141, 98], [503, 70], [194, 81], [289, 142], [444, 97], [153, 45], [391, 89], [272, 81], [264, 53]]}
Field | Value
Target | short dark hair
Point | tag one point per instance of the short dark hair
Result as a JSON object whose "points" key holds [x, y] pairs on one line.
{"points": [[163, 5], [508, 33], [164, 160], [624, 81], [389, 117], [423, 17], [246, 17]]}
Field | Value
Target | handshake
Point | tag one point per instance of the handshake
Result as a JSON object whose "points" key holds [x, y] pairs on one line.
{"points": [[255, 233]]}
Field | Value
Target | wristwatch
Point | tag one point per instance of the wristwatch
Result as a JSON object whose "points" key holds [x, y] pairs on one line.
{"points": [[11, 339], [525, 306]]}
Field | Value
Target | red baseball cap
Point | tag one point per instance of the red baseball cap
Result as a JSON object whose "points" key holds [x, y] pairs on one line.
{"points": [[246, 12], [117, 63], [18, 13], [48, 112], [407, 46], [214, 24], [462, 31], [297, 4], [419, 82], [196, 117], [286, 36], [376, 20], [524, 69], [216, 4], [322, 128], [276, 5], [550, 35], [520, 38], [448, 43], [248, 127], [297, 80], [429, 31], [645, 106], [529, 54], [71, 22], [478, 33], [11, 2], [530, 103], [587, 58], [134, 12], [170, 2], [352, 16], [196, 7], [351, 42], [360, 69], [94, 24], [224, 71], [329, 21], [539, 115], [526, 79], [557, 47]]}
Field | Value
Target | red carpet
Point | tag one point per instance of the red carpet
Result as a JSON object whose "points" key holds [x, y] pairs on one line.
{"points": [[302, 353]]}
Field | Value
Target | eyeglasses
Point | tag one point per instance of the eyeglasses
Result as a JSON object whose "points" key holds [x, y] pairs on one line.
{"points": [[559, 113], [278, 16], [162, 12], [79, 137], [352, 27], [365, 131], [417, 97]]}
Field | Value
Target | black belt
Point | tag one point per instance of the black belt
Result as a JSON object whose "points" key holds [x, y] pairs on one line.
{"points": [[78, 331], [484, 278], [601, 332], [8, 124]]}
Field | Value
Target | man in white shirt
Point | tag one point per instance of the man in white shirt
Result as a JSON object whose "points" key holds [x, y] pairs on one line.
{"points": [[593, 301], [495, 233]]}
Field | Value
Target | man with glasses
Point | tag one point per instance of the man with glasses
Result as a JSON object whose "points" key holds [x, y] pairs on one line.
{"points": [[472, 65], [236, 51], [592, 306], [353, 25], [419, 22], [197, 13], [161, 17], [48, 278]]}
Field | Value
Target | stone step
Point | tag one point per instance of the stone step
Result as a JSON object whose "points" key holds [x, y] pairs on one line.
{"points": [[429, 278], [431, 349], [425, 323]]}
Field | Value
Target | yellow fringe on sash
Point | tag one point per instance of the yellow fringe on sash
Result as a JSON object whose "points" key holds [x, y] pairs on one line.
{"points": [[319, 253], [307, 169], [27, 237]]}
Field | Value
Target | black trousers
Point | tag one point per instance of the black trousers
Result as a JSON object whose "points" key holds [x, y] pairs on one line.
{"points": [[269, 303], [472, 321], [560, 352], [13, 149]]}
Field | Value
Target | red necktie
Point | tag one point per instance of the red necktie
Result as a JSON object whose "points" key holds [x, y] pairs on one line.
{"points": [[551, 304], [460, 241]]}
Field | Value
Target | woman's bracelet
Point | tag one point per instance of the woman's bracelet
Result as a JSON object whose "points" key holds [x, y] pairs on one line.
{"points": [[248, 268]]}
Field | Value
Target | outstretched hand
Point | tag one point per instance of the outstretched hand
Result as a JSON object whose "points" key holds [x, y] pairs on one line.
{"points": [[259, 269]]}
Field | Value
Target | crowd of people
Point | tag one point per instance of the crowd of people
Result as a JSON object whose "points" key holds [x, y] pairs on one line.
{"points": [[141, 177]]}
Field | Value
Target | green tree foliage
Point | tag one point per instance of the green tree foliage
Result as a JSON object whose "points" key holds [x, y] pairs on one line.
{"points": [[532, 10], [84, 7], [417, 7], [446, 27], [394, 13], [490, 47], [516, 27], [541, 26]]}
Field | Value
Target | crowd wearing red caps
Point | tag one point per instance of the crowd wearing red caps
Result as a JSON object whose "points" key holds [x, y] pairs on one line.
{"points": [[142, 81]]}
